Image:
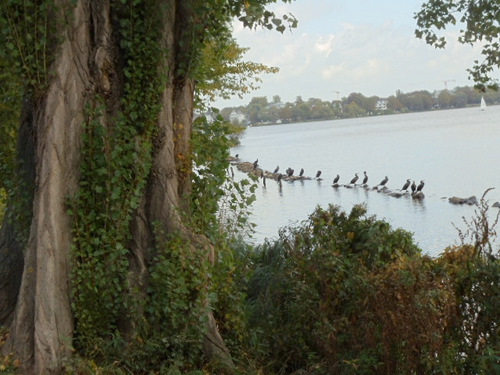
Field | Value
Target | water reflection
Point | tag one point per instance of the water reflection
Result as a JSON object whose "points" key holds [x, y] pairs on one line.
{"points": [[338, 192], [365, 190], [419, 203]]}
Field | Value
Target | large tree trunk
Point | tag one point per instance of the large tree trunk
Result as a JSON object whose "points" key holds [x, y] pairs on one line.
{"points": [[36, 288], [42, 326]]}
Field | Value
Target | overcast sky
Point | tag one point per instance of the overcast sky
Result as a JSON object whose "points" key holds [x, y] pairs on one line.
{"points": [[340, 47]]}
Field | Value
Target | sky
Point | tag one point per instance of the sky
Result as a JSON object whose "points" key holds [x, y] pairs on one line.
{"points": [[346, 46]]}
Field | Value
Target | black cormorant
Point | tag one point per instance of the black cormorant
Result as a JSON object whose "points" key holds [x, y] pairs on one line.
{"points": [[301, 172], [406, 185], [384, 181], [413, 187], [420, 186], [255, 163], [336, 179], [277, 169], [353, 181], [365, 180], [318, 174]]}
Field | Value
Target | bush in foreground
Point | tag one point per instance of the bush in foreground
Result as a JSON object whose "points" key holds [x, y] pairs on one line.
{"points": [[347, 294]]}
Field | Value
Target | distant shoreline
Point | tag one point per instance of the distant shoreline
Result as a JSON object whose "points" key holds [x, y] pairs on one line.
{"points": [[260, 112], [368, 116]]}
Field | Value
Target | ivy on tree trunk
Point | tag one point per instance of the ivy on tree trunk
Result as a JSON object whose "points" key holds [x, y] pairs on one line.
{"points": [[93, 68]]}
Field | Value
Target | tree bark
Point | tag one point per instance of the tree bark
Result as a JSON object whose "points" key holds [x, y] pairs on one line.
{"points": [[42, 326], [35, 281], [170, 183]]}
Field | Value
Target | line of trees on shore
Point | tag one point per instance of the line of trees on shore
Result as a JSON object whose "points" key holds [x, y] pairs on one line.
{"points": [[260, 111]]}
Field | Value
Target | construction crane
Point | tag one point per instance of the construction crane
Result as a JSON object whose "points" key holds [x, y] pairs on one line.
{"points": [[446, 83]]}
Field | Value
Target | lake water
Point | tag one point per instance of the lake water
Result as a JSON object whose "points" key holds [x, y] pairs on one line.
{"points": [[456, 152]]}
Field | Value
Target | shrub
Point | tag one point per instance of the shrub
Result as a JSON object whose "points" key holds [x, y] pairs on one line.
{"points": [[346, 294]]}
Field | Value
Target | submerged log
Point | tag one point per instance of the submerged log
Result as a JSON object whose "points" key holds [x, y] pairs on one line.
{"points": [[249, 169], [395, 194], [457, 200]]}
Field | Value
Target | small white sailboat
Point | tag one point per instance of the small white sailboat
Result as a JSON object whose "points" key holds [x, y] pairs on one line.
{"points": [[483, 104]]}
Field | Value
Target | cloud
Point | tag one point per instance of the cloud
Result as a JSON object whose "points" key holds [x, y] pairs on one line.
{"points": [[325, 44], [331, 71]]}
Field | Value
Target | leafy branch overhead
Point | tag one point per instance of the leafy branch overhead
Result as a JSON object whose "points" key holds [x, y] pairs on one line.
{"points": [[224, 74], [222, 71], [480, 24], [253, 14]]}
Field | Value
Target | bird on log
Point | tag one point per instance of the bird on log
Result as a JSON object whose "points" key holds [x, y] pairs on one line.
{"points": [[318, 174], [289, 172], [365, 180], [336, 179], [406, 185], [277, 169], [301, 172], [355, 178], [384, 181], [255, 163], [413, 187], [420, 186]]}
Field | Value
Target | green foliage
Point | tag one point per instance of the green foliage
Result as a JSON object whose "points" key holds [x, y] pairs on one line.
{"points": [[215, 59], [23, 66], [473, 271], [253, 14], [219, 205], [228, 298], [480, 24], [10, 112], [175, 311], [13, 184], [210, 145], [223, 73], [28, 36], [116, 162], [472, 334], [110, 188], [313, 287], [220, 211], [347, 294], [116, 159]]}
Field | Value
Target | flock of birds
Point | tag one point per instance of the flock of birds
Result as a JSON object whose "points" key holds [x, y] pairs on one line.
{"points": [[409, 184]]}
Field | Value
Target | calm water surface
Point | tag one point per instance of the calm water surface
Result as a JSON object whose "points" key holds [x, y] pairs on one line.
{"points": [[456, 152]]}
